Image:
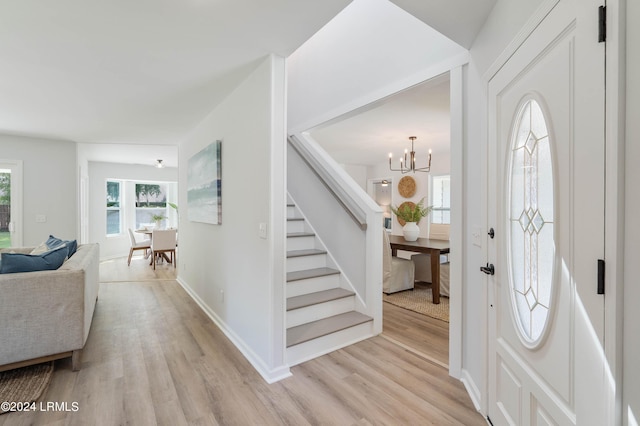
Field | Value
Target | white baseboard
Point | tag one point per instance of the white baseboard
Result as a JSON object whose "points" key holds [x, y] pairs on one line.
{"points": [[115, 257], [472, 390], [270, 375]]}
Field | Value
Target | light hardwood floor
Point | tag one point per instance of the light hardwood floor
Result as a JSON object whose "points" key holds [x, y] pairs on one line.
{"points": [[427, 336], [153, 357]]}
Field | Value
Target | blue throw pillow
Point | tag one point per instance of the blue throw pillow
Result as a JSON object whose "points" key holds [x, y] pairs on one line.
{"points": [[11, 263], [53, 242], [72, 245]]}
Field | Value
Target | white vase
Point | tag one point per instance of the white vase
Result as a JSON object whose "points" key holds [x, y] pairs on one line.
{"points": [[410, 231]]}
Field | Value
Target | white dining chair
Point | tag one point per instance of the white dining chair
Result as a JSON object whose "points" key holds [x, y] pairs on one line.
{"points": [[397, 273], [137, 245], [163, 243]]}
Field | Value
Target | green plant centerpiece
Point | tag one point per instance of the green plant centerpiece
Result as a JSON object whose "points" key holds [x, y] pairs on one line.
{"points": [[411, 214], [158, 218]]}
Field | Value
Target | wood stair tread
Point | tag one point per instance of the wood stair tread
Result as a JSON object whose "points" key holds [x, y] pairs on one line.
{"points": [[313, 330], [300, 234], [310, 273], [311, 299], [306, 252]]}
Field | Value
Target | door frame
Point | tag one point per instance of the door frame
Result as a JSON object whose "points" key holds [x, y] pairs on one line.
{"points": [[455, 68], [17, 216], [615, 99]]}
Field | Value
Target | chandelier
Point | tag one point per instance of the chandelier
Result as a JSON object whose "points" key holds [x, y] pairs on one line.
{"points": [[410, 165]]}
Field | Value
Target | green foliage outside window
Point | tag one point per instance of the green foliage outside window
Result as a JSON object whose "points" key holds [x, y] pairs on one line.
{"points": [[5, 188], [113, 194], [145, 192]]}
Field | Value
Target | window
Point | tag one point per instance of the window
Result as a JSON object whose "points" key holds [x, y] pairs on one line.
{"points": [[531, 221], [5, 207], [114, 212], [441, 199], [151, 201], [10, 203]]}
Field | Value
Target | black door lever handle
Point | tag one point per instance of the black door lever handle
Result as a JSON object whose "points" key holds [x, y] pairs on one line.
{"points": [[489, 269]]}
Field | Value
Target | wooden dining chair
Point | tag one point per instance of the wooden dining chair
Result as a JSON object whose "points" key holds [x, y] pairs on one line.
{"points": [[137, 245], [163, 243]]}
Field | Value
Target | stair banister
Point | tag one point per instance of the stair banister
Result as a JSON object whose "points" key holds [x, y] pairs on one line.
{"points": [[329, 180], [344, 216]]}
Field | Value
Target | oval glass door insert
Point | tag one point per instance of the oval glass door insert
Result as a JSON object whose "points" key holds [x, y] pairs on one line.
{"points": [[531, 223]]}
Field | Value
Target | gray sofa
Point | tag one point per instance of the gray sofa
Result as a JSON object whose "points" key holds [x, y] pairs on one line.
{"points": [[46, 315]]}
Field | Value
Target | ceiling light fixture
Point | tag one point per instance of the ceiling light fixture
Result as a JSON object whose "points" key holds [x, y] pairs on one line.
{"points": [[410, 166], [159, 164]]}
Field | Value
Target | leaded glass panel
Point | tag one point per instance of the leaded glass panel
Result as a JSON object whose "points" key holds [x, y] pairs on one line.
{"points": [[531, 213]]}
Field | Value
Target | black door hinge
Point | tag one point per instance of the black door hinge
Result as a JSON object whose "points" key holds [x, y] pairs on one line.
{"points": [[600, 276], [602, 24]]}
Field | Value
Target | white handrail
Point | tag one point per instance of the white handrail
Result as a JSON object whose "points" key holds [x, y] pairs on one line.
{"points": [[354, 211]]}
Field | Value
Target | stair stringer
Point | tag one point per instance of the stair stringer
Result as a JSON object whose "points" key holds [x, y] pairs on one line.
{"points": [[345, 283]]}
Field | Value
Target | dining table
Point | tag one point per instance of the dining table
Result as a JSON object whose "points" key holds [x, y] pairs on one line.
{"points": [[424, 245]]}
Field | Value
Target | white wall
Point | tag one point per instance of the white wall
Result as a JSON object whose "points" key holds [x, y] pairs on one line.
{"points": [[228, 268], [362, 55], [505, 21], [83, 194], [49, 186], [631, 383], [118, 245], [440, 165], [358, 173]]}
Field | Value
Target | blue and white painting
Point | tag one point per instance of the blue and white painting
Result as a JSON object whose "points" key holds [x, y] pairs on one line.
{"points": [[204, 202]]}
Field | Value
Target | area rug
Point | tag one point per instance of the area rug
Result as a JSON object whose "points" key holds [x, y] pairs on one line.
{"points": [[24, 385], [420, 300]]}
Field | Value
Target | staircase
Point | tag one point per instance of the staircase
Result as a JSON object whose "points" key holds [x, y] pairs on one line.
{"points": [[321, 308]]}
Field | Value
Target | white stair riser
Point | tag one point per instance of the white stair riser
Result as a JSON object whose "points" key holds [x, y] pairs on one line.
{"points": [[301, 243], [292, 211], [323, 345], [295, 226], [312, 285], [320, 311], [306, 262]]}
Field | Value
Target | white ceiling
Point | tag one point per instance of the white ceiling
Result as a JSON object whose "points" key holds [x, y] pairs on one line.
{"points": [[367, 137], [146, 155], [136, 72]]}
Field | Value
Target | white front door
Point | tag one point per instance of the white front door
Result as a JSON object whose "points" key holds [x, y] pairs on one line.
{"points": [[546, 205]]}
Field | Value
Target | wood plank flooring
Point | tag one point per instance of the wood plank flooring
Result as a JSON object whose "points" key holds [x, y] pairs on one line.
{"points": [[154, 358], [426, 335]]}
